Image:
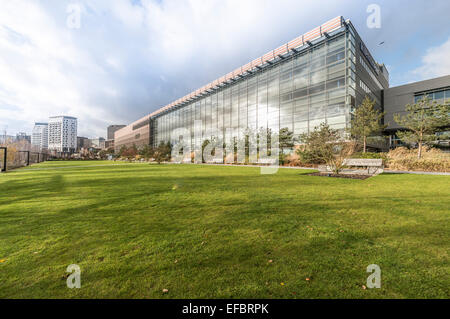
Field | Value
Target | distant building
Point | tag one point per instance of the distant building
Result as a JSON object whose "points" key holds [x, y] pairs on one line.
{"points": [[98, 142], [109, 144], [23, 137], [39, 137], [62, 134], [82, 142], [112, 129]]}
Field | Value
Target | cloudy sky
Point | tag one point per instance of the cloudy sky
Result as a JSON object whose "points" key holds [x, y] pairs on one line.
{"points": [[127, 58]]}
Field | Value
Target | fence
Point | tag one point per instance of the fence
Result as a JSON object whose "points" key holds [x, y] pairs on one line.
{"points": [[11, 158]]}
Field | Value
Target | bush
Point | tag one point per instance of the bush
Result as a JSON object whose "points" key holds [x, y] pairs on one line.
{"points": [[432, 160], [294, 160]]}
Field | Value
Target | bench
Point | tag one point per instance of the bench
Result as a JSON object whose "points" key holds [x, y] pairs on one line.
{"points": [[372, 164]]}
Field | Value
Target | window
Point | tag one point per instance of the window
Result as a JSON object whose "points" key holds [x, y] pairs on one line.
{"points": [[364, 87], [317, 88], [300, 93], [366, 67], [337, 83], [318, 76], [438, 95], [335, 56], [417, 98]]}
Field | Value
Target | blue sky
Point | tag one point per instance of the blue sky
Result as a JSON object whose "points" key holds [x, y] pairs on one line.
{"points": [[130, 57]]}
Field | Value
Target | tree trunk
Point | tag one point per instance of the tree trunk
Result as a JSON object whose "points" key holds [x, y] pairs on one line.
{"points": [[364, 148], [419, 154]]}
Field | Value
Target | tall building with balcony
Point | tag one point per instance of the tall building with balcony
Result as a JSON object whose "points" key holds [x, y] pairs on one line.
{"points": [[62, 134], [39, 137]]}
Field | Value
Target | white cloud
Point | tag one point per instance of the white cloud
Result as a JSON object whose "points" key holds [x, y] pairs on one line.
{"points": [[129, 57], [435, 63], [39, 75]]}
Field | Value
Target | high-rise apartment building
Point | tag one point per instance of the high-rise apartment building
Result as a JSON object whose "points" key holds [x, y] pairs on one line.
{"points": [[39, 137], [62, 134]]}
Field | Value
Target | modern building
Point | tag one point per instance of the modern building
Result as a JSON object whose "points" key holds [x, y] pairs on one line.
{"points": [[109, 143], [39, 137], [62, 134], [82, 142], [98, 142], [396, 98], [321, 76], [112, 129]]}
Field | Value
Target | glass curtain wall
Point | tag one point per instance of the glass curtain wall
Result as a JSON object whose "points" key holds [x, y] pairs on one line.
{"points": [[298, 93]]}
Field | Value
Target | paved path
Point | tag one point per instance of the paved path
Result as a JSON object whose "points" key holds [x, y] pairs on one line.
{"points": [[416, 172], [312, 168]]}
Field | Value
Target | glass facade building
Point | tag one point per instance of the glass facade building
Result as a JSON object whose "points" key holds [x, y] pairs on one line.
{"points": [[298, 93], [298, 89]]}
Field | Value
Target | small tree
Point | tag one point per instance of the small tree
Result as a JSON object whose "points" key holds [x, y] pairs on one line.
{"points": [[286, 140], [163, 152], [366, 121], [129, 152], [122, 150], [325, 144], [146, 151], [422, 121]]}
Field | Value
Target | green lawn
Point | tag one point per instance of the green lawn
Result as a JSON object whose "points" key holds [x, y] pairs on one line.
{"points": [[210, 231]]}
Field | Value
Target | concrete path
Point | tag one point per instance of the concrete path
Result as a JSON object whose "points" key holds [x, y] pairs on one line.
{"points": [[415, 172]]}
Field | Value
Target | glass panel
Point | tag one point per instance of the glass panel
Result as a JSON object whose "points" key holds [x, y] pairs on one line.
{"points": [[438, 95], [417, 98]]}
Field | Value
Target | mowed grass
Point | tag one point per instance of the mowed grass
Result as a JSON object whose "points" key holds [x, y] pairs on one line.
{"points": [[211, 231]]}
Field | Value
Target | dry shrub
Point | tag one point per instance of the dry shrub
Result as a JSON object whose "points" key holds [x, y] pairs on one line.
{"points": [[294, 159], [433, 160]]}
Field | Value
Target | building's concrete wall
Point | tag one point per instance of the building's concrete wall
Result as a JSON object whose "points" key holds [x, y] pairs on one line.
{"points": [[396, 98], [128, 136]]}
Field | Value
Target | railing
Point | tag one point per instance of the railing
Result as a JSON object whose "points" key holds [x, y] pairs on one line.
{"points": [[12, 158]]}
